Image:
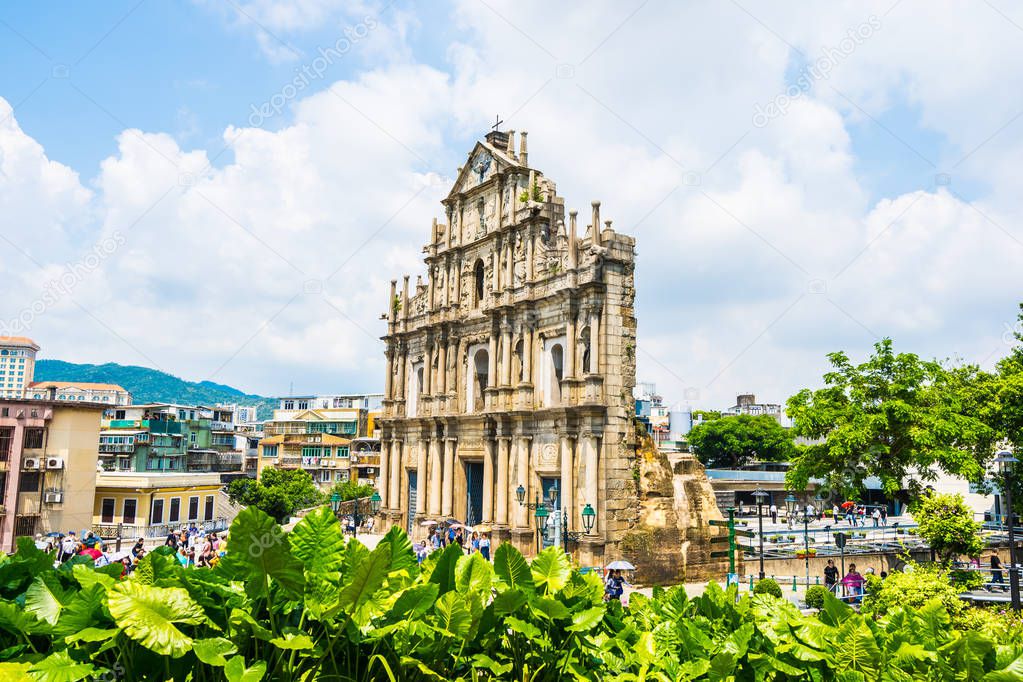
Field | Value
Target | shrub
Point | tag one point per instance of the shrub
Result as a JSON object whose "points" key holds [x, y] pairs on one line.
{"points": [[911, 590], [767, 586], [815, 597]]}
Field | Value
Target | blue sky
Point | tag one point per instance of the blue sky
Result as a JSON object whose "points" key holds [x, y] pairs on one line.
{"points": [[852, 215]]}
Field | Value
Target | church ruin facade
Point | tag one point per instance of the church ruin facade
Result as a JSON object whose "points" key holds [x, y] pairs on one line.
{"points": [[510, 369]]}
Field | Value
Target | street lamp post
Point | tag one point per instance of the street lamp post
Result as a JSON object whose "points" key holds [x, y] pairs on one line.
{"points": [[1006, 463], [791, 506], [760, 494], [806, 541], [374, 508], [542, 514]]}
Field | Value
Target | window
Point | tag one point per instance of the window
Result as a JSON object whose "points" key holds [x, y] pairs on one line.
{"points": [[303, 404], [208, 512], [479, 275], [289, 404], [157, 515], [106, 514], [193, 437], [25, 526], [33, 438], [269, 450], [193, 508], [325, 476], [29, 482], [128, 511], [310, 451], [481, 363], [342, 451], [174, 515], [119, 414], [6, 439]]}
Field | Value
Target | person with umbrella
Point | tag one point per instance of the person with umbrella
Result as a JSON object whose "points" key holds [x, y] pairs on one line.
{"points": [[614, 588]]}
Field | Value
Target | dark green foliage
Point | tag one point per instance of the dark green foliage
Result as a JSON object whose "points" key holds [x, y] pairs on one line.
{"points": [[731, 442], [279, 492], [309, 606], [767, 586], [815, 595]]}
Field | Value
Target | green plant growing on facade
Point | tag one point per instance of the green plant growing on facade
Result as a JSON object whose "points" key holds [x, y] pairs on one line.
{"points": [[396, 305]]}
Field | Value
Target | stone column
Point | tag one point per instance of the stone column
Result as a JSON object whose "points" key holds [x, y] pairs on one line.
{"points": [[492, 361], [573, 258], [421, 480], [596, 223], [568, 482], [399, 388], [435, 477], [530, 237], [395, 479], [521, 452], [505, 354], [428, 369], [431, 274], [595, 340], [385, 472], [458, 281], [527, 354], [488, 483], [388, 378], [404, 300], [503, 479], [442, 366], [497, 265], [570, 350], [510, 281], [590, 455], [500, 201], [449, 477]]}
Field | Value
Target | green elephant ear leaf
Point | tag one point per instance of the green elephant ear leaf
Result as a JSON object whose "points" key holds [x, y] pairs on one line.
{"points": [[235, 670], [414, 601], [452, 615], [512, 569], [45, 598], [443, 573], [317, 541], [148, 615], [214, 651], [403, 556], [261, 551], [551, 570], [368, 578], [15, 672], [857, 650], [473, 574], [60, 667]]}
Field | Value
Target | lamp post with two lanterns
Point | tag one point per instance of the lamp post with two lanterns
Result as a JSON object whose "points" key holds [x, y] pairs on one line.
{"points": [[760, 494], [374, 507], [1006, 465], [542, 515]]}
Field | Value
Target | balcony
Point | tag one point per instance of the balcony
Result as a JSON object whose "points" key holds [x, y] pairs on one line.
{"points": [[286, 462], [129, 532], [365, 460], [221, 426], [116, 447]]}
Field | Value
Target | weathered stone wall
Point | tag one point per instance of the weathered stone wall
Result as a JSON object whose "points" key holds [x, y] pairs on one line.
{"points": [[671, 542]]}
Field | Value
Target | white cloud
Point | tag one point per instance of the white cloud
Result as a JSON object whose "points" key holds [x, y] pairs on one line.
{"points": [[760, 249]]}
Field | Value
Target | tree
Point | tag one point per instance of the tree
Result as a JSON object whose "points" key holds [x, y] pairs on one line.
{"points": [[947, 524], [896, 417], [278, 492], [349, 490], [732, 442]]}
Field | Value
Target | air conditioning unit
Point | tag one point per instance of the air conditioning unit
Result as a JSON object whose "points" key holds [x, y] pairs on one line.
{"points": [[30, 463], [54, 462], [53, 497]]}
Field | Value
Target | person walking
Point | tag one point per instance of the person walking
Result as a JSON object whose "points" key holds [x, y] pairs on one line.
{"points": [[831, 576], [474, 543], [68, 547], [853, 583], [996, 574], [485, 546], [876, 516], [774, 513], [884, 516]]}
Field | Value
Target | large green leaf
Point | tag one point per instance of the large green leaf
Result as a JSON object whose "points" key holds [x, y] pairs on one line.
{"points": [[355, 554], [15, 672], [512, 569], [17, 620], [452, 615], [403, 556], [45, 598], [443, 573], [367, 579], [509, 601], [473, 574], [857, 649], [60, 667], [84, 609], [235, 670], [317, 541], [1011, 673], [214, 651], [259, 550], [551, 570], [585, 621], [148, 615], [414, 601]]}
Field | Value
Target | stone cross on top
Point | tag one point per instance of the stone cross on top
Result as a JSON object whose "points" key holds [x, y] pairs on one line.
{"points": [[497, 123]]}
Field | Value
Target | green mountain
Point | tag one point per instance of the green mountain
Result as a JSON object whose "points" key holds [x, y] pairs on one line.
{"points": [[152, 386]]}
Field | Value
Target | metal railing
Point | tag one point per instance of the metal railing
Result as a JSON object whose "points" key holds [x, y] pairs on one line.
{"points": [[111, 531]]}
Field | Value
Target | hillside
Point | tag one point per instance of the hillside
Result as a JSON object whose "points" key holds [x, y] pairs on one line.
{"points": [[152, 386]]}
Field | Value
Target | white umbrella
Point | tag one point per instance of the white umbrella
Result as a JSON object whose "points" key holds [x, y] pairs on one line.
{"points": [[620, 566], [428, 523]]}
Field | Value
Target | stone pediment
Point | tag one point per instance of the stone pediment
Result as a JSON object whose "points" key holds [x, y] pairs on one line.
{"points": [[483, 163]]}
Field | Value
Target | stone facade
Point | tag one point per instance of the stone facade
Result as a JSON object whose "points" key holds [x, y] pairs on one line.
{"points": [[513, 364]]}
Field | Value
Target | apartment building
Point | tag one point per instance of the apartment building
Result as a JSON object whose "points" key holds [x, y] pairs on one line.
{"points": [[17, 365], [47, 467], [111, 394], [315, 433]]}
